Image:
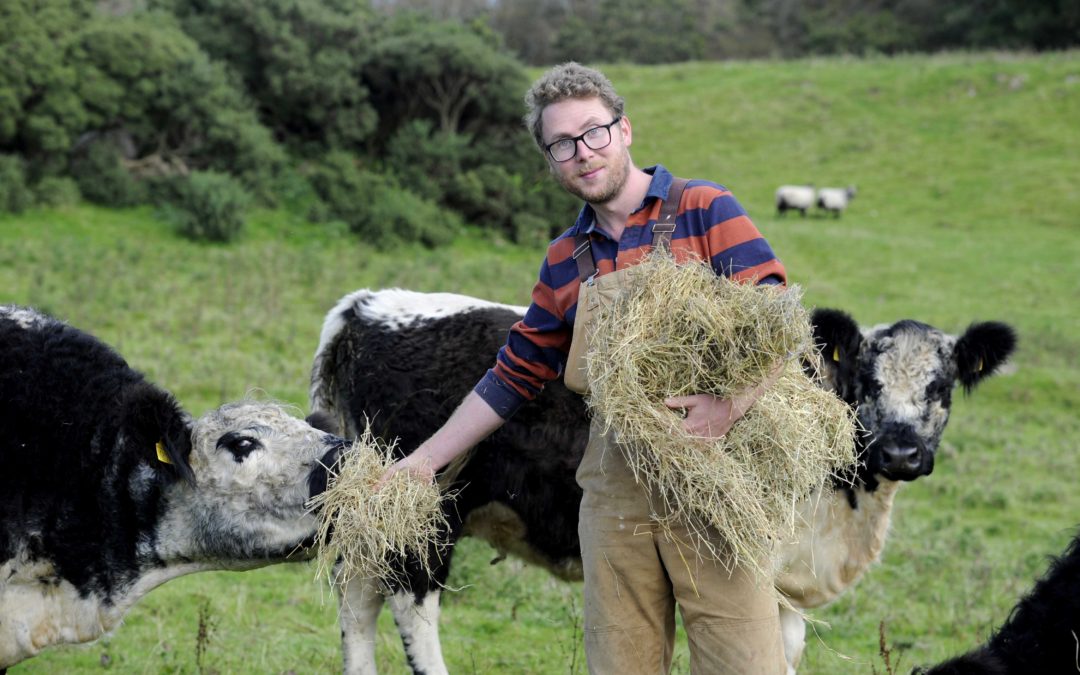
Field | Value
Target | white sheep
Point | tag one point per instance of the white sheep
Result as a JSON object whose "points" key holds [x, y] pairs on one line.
{"points": [[835, 200], [800, 197]]}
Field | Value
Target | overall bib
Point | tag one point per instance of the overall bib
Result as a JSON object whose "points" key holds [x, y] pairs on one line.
{"points": [[634, 573]]}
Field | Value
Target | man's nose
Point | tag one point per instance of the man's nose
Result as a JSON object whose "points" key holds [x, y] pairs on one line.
{"points": [[582, 151]]}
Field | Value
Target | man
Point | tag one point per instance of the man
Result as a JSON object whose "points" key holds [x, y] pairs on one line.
{"points": [[634, 575]]}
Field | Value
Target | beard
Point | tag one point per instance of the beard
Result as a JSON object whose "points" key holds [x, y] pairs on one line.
{"points": [[618, 173]]}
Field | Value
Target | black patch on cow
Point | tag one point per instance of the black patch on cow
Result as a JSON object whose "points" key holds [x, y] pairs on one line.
{"points": [[840, 341], [1040, 635], [239, 445], [77, 424]]}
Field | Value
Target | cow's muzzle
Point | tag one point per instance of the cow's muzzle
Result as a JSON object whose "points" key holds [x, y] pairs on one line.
{"points": [[904, 461], [320, 475]]}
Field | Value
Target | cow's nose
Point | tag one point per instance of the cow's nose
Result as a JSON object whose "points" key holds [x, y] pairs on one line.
{"points": [[902, 459]]}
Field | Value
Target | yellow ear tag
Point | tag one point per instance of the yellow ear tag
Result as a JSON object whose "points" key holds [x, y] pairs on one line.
{"points": [[162, 457], [836, 354], [978, 368]]}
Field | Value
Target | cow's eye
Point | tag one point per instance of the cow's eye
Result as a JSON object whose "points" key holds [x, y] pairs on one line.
{"points": [[238, 444]]}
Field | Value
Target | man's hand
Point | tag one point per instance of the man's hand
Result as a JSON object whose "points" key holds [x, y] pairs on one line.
{"points": [[711, 417], [420, 470], [706, 415]]}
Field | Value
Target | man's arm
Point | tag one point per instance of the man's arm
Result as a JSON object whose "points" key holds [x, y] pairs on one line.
{"points": [[473, 421]]}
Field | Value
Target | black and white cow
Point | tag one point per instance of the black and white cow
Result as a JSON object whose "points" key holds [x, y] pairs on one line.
{"points": [[108, 489], [1041, 633], [405, 360]]}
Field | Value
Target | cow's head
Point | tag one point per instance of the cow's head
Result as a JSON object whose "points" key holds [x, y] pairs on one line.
{"points": [[255, 467], [900, 379]]}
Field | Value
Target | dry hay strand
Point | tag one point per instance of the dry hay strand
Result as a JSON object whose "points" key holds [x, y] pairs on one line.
{"points": [[363, 531], [682, 330]]}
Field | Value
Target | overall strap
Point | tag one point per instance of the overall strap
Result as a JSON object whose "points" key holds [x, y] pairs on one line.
{"points": [[662, 230], [665, 222]]}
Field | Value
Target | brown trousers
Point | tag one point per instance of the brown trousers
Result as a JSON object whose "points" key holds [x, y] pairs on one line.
{"points": [[635, 575]]}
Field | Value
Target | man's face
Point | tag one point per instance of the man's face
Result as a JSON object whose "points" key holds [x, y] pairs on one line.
{"points": [[597, 176]]}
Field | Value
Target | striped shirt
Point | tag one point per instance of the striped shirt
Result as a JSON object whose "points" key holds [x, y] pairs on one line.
{"points": [[709, 225]]}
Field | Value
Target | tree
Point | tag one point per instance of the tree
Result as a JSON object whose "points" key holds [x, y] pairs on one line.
{"points": [[171, 109], [301, 60], [32, 35], [443, 72]]}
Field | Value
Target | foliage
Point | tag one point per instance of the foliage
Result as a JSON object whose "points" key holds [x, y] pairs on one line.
{"points": [[300, 60], [208, 206], [635, 31], [376, 207], [549, 31], [444, 73], [101, 176], [177, 107], [35, 78], [426, 160], [57, 191], [14, 194]]}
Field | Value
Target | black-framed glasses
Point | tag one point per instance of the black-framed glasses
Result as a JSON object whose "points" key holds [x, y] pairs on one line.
{"points": [[596, 138]]}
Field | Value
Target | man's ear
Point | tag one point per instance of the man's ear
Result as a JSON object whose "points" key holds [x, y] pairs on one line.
{"points": [[840, 340], [627, 130]]}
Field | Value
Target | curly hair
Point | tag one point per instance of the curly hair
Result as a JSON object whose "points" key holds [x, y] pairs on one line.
{"points": [[567, 80]]}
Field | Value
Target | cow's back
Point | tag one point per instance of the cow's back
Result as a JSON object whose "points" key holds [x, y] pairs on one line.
{"points": [[63, 483], [406, 371]]}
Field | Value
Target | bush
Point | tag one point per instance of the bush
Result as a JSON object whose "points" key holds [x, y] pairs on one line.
{"points": [[57, 191], [531, 230], [376, 207], [14, 195], [425, 160], [396, 214], [208, 206], [102, 179]]}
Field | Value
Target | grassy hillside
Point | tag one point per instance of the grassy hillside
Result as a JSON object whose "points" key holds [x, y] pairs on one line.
{"points": [[966, 210]]}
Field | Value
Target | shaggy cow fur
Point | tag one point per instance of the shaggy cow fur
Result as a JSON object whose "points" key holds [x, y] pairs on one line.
{"points": [[405, 360]]}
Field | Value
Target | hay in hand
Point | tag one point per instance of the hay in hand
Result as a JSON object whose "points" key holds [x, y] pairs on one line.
{"points": [[682, 330], [361, 530]]}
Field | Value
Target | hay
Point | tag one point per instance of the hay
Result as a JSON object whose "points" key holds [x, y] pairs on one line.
{"points": [[681, 330], [363, 531]]}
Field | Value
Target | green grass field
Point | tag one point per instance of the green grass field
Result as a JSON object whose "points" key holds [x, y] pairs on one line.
{"points": [[967, 209]]}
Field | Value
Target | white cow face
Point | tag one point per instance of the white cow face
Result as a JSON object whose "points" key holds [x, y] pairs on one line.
{"points": [[255, 467], [900, 378]]}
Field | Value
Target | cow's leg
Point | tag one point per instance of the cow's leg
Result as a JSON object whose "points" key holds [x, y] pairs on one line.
{"points": [[358, 614], [417, 618], [794, 629]]}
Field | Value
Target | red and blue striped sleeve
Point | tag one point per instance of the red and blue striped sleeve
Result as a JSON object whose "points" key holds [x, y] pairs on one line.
{"points": [[536, 347]]}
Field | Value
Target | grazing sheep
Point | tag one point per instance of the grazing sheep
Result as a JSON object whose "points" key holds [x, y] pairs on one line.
{"points": [[798, 197], [835, 200]]}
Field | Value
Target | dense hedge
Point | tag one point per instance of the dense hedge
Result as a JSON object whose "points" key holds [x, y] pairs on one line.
{"points": [[163, 104]]}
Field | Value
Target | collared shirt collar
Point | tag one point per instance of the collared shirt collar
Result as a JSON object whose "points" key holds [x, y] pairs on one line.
{"points": [[658, 189]]}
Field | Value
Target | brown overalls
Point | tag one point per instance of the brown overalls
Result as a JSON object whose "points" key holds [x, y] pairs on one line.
{"points": [[635, 574]]}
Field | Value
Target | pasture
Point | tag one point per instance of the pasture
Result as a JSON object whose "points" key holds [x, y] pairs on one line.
{"points": [[967, 209]]}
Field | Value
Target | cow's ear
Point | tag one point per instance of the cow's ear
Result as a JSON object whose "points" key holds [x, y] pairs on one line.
{"points": [[160, 428], [324, 421], [981, 349], [839, 338]]}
